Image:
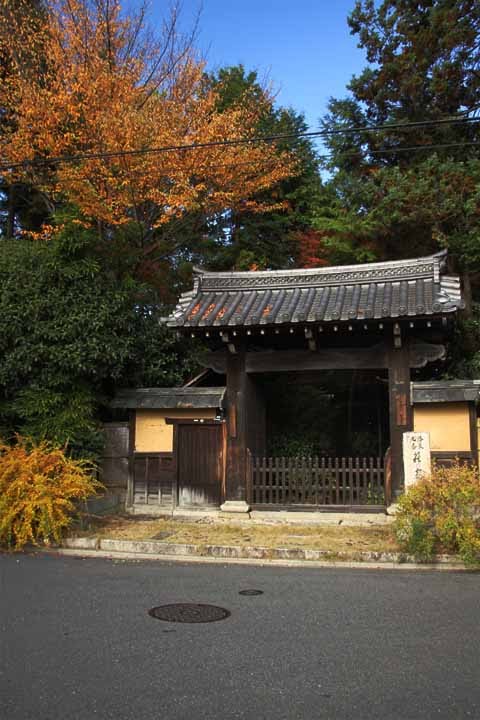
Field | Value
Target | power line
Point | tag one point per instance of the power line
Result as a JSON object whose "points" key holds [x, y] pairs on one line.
{"points": [[132, 174], [432, 146], [54, 160]]}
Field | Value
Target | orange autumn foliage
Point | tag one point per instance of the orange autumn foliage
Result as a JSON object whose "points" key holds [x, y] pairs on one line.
{"points": [[39, 487], [84, 78], [310, 248]]}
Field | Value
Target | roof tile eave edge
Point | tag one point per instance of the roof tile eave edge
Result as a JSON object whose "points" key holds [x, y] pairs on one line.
{"points": [[435, 258], [293, 281], [448, 310]]}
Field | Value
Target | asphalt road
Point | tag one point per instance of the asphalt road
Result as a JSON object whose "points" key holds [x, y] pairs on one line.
{"points": [[76, 642]]}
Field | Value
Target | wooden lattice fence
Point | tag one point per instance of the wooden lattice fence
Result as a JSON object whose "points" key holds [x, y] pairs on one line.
{"points": [[314, 481]]}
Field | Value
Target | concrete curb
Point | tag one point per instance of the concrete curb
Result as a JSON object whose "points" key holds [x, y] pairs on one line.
{"points": [[170, 551], [199, 559], [266, 517]]}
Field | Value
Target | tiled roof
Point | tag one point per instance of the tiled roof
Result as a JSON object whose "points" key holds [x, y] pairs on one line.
{"points": [[403, 288], [445, 391], [169, 398]]}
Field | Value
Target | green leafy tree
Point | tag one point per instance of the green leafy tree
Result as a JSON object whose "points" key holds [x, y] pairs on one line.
{"points": [[71, 332], [241, 239]]}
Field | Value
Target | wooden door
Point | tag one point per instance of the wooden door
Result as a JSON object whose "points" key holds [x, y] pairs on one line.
{"points": [[200, 459]]}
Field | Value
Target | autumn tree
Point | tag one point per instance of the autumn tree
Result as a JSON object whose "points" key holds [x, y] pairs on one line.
{"points": [[120, 104], [98, 119], [21, 204]]}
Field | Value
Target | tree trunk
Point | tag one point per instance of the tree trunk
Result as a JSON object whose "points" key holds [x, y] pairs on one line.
{"points": [[10, 224]]}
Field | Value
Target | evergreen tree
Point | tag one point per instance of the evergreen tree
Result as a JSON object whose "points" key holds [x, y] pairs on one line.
{"points": [[238, 237], [71, 332], [390, 198]]}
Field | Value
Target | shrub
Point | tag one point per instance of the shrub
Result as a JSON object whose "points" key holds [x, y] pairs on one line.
{"points": [[442, 513], [74, 328], [63, 415], [39, 486]]}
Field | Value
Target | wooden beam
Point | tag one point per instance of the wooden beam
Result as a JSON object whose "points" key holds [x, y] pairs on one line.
{"points": [[349, 358], [331, 359], [288, 360]]}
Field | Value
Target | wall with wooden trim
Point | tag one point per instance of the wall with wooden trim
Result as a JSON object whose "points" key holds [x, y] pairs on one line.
{"points": [[447, 423], [478, 441], [153, 434]]}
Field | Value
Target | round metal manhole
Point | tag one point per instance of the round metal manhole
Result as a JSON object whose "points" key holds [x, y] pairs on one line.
{"points": [[189, 613], [251, 592]]}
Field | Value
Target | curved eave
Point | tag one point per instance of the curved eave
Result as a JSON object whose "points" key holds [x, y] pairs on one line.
{"points": [[375, 291]]}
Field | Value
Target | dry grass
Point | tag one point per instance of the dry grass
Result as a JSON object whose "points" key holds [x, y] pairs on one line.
{"points": [[205, 532]]}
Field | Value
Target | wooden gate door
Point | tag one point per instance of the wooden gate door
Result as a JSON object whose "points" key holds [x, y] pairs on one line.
{"points": [[200, 458]]}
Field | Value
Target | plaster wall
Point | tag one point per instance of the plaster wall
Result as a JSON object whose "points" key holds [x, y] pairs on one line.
{"points": [[447, 423], [152, 434]]}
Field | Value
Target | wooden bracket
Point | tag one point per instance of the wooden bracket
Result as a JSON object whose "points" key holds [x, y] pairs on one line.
{"points": [[230, 345], [397, 336], [312, 344], [421, 353]]}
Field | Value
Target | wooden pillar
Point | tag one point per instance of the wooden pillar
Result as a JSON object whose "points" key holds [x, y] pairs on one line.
{"points": [[236, 465], [472, 407], [130, 497], [401, 412]]}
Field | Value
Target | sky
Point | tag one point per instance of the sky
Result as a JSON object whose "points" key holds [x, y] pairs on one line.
{"points": [[304, 47]]}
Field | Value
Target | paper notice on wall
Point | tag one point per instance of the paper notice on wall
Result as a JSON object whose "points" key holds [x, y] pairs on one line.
{"points": [[416, 456]]}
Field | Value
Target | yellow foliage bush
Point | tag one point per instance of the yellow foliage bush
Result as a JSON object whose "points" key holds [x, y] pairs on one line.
{"points": [[39, 488], [442, 513]]}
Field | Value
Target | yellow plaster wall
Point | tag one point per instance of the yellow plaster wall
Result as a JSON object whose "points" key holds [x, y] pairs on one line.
{"points": [[447, 423], [152, 434]]}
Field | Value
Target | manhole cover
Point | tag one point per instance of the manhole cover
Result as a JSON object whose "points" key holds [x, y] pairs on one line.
{"points": [[189, 613], [251, 592]]}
